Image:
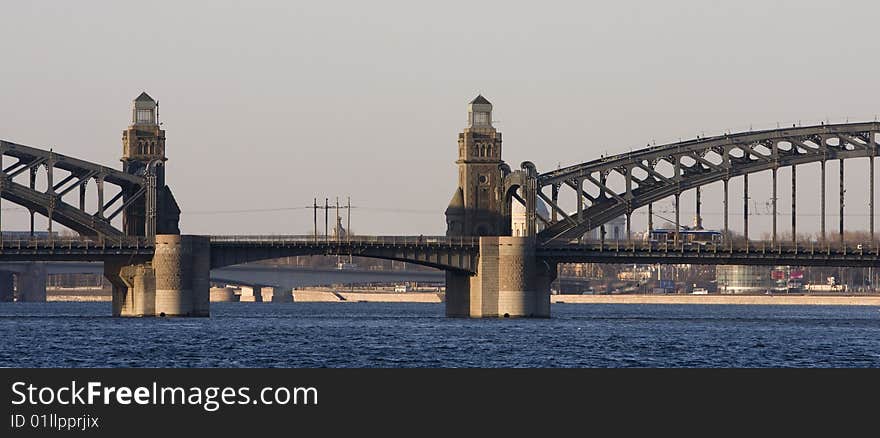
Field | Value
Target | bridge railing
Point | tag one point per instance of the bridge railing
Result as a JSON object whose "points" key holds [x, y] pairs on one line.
{"points": [[370, 240], [77, 242], [750, 247]]}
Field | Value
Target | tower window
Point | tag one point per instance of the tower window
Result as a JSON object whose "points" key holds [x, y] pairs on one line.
{"points": [[481, 118], [144, 116]]}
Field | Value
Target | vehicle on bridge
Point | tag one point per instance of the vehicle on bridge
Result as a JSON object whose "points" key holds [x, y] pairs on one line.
{"points": [[700, 237]]}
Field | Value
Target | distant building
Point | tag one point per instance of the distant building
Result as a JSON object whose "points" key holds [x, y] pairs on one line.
{"points": [[615, 229], [736, 279]]}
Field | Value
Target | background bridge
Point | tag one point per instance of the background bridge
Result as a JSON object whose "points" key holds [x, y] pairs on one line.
{"points": [[441, 252]]}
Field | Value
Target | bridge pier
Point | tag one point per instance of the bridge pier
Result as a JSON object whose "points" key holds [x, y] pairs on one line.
{"points": [[183, 268], [7, 286], [32, 283], [134, 289], [510, 282], [175, 283]]}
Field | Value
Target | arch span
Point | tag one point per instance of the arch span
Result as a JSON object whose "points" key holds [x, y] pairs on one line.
{"points": [[655, 173], [63, 176]]}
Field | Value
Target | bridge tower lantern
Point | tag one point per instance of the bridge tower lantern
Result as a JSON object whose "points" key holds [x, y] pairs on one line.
{"points": [[475, 208], [143, 154]]}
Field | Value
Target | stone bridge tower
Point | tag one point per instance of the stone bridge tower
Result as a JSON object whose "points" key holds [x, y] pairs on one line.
{"points": [[510, 281], [176, 281], [475, 208], [143, 154]]}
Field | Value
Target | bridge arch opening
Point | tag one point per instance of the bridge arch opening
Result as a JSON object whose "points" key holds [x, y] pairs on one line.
{"points": [[508, 198], [222, 262]]}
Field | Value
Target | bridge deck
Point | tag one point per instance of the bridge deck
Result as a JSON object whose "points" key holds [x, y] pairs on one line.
{"points": [[441, 252], [457, 253], [744, 253], [312, 240], [74, 248]]}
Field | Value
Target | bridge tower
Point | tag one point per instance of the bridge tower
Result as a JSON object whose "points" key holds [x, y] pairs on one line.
{"points": [[175, 282], [510, 281], [143, 153], [475, 208]]}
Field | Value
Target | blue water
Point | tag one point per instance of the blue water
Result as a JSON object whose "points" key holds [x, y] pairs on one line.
{"points": [[418, 335]]}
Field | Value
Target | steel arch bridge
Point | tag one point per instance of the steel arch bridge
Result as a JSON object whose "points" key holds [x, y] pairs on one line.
{"points": [[485, 276], [61, 176], [655, 173], [649, 175]]}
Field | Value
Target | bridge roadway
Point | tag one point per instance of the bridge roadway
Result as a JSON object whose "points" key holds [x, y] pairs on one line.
{"points": [[449, 253], [741, 253], [441, 252], [446, 253]]}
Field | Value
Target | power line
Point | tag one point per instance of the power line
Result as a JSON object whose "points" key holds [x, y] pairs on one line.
{"points": [[249, 210], [399, 210], [276, 209]]}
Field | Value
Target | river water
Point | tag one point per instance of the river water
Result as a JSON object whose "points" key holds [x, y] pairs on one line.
{"points": [[418, 335]]}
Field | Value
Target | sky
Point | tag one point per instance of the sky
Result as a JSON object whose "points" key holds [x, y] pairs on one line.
{"points": [[270, 104]]}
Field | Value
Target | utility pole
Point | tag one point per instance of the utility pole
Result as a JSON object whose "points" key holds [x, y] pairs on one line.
{"points": [[348, 228], [326, 207]]}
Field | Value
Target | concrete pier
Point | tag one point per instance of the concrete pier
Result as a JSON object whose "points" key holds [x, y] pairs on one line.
{"points": [[280, 295], [182, 266], [223, 294], [176, 282], [134, 288], [201, 275], [510, 282], [251, 294], [7, 286], [140, 281], [174, 277], [32, 283]]}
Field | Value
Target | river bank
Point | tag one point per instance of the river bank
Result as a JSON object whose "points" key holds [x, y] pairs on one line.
{"points": [[325, 296], [800, 300]]}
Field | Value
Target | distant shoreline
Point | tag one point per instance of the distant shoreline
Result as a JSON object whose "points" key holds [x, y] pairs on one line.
{"points": [[432, 297], [802, 300]]}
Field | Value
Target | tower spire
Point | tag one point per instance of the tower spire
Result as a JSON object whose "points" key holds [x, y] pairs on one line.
{"points": [[480, 113]]}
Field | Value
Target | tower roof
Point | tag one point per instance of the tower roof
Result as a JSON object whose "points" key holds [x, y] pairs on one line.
{"points": [[480, 100], [456, 204], [144, 97]]}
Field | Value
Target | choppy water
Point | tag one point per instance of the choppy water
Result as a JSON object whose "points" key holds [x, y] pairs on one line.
{"points": [[418, 335]]}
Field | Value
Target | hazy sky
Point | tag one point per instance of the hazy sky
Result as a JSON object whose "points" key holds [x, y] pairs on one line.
{"points": [[268, 104]]}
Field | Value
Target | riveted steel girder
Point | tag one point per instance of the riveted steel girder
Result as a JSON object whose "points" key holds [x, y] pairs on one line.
{"points": [[740, 154], [49, 202]]}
